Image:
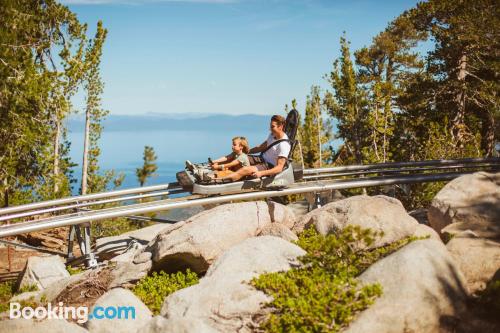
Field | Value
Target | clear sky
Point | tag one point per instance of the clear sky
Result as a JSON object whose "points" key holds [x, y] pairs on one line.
{"points": [[224, 56]]}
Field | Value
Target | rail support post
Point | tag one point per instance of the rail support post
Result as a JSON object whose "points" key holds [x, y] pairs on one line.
{"points": [[82, 234], [317, 200]]}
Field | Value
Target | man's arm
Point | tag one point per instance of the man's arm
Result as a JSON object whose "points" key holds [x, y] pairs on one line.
{"points": [[258, 149], [277, 168]]}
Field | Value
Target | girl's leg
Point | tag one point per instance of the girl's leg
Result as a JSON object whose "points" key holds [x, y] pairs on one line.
{"points": [[222, 174], [243, 172]]}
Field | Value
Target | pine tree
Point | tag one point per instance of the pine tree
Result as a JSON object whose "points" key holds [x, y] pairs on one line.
{"points": [[149, 167], [464, 67], [315, 132], [347, 103], [92, 181], [30, 99], [383, 66]]}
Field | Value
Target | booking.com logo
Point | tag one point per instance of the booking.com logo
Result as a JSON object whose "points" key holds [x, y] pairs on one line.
{"points": [[80, 314]]}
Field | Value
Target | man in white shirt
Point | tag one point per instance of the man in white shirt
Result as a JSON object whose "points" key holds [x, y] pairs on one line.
{"points": [[275, 150]]}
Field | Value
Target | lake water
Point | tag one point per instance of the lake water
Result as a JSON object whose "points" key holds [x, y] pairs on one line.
{"points": [[123, 150]]}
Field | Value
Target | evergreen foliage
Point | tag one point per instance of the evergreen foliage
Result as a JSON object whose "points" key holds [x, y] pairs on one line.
{"points": [[40, 66], [153, 289], [324, 295], [149, 167]]}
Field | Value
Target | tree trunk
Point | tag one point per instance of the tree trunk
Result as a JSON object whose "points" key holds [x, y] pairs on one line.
{"points": [[56, 156], [459, 119], [488, 133], [319, 135], [6, 193], [85, 164]]}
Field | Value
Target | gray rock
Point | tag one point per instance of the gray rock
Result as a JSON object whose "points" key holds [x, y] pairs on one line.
{"points": [[470, 202], [133, 249], [224, 301], [425, 231], [420, 215], [202, 238], [52, 291], [109, 247], [127, 273], [477, 258], [423, 291], [160, 325], [46, 326], [278, 230], [378, 213], [134, 313], [281, 214], [42, 272]]}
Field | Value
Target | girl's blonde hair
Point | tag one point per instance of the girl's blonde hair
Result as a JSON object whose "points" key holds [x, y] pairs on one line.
{"points": [[243, 142]]}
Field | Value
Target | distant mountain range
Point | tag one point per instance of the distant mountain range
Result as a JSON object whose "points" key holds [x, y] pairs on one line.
{"points": [[180, 122]]}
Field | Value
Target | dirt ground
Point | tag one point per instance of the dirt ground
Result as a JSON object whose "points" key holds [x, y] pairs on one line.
{"points": [[18, 258], [86, 292]]}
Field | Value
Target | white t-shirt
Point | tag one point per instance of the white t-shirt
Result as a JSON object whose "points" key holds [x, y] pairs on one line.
{"points": [[282, 149]]}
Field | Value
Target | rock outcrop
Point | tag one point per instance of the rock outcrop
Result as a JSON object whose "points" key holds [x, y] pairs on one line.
{"points": [[423, 291], [128, 315], [197, 242], [42, 272], [467, 213], [470, 202], [278, 230], [478, 258], [224, 301], [45, 326], [378, 213]]}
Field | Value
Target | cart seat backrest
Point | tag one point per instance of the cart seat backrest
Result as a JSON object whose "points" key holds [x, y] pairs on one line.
{"points": [[291, 126]]}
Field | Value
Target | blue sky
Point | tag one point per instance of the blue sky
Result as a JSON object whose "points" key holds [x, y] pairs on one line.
{"points": [[224, 56]]}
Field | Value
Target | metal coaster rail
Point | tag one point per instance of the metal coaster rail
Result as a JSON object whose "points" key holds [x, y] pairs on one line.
{"points": [[389, 174]]}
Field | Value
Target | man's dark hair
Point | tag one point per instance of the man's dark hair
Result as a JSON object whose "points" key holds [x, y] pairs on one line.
{"points": [[280, 120]]}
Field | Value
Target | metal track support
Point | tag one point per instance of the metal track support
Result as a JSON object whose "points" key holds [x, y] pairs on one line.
{"points": [[82, 234]]}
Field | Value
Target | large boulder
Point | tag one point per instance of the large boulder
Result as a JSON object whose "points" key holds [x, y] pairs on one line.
{"points": [[129, 313], [125, 273], [53, 290], [281, 214], [223, 300], [160, 325], [42, 272], [477, 258], [423, 291], [378, 213], [470, 202], [198, 241], [278, 230], [34, 326]]}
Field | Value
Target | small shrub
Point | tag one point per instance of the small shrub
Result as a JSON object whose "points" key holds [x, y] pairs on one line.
{"points": [[74, 270], [324, 295], [153, 289], [7, 291], [27, 288]]}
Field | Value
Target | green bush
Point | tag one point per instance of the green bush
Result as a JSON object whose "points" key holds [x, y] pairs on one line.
{"points": [[74, 270], [153, 289], [324, 295], [7, 291]]}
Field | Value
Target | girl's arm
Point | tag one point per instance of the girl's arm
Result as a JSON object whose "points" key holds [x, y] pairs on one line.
{"points": [[227, 165], [222, 160]]}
